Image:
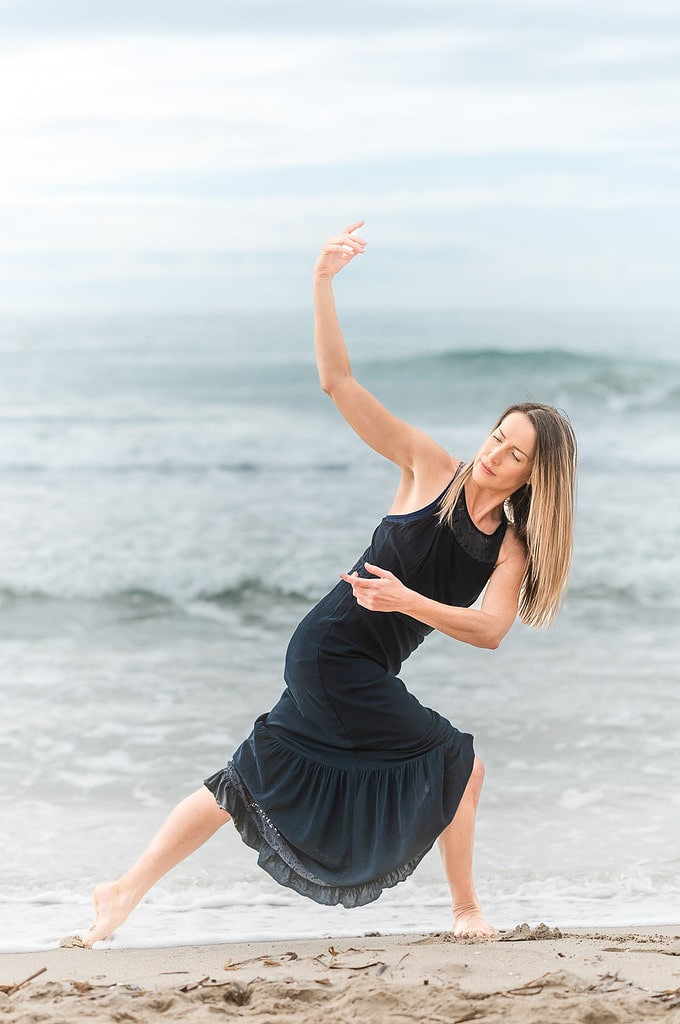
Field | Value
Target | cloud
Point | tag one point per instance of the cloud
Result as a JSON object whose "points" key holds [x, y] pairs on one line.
{"points": [[126, 109], [352, 18], [155, 153]]}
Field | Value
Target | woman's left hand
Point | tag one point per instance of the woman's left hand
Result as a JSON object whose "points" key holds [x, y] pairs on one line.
{"points": [[383, 592], [337, 252]]}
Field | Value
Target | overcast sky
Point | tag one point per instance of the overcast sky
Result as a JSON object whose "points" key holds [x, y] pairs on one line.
{"points": [[193, 155]]}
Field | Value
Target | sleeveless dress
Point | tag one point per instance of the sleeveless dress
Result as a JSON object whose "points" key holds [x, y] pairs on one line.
{"points": [[345, 785]]}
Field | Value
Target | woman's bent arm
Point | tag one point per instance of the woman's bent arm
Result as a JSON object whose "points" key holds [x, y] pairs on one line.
{"points": [[483, 627]]}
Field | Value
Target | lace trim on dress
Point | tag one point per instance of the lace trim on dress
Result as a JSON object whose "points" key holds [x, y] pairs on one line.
{"points": [[277, 858], [483, 547]]}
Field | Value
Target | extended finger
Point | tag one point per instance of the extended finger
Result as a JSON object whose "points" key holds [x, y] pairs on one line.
{"points": [[351, 579], [345, 247], [347, 236], [375, 570], [357, 581]]}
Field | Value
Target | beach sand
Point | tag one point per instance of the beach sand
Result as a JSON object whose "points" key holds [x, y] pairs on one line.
{"points": [[537, 975]]}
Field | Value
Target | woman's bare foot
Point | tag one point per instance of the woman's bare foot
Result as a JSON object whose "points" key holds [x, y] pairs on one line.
{"points": [[112, 906], [187, 827], [471, 924]]}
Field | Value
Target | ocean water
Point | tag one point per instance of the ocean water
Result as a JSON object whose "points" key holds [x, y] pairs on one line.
{"points": [[177, 492]]}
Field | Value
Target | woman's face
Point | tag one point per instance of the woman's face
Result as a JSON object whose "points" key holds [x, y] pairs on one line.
{"points": [[505, 460]]}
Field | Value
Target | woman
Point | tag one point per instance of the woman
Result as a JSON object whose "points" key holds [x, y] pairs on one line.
{"points": [[347, 783]]}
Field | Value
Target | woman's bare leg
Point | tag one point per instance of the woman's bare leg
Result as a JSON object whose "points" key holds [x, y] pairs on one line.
{"points": [[455, 845], [188, 826]]}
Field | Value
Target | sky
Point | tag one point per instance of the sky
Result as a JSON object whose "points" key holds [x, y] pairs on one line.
{"points": [[192, 156]]}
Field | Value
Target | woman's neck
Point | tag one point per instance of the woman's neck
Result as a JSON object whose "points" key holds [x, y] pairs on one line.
{"points": [[484, 506]]}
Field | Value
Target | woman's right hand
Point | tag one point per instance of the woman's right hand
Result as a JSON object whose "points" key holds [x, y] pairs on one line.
{"points": [[337, 252]]}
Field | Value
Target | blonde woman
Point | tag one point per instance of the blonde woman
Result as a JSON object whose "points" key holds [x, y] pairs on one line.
{"points": [[347, 783]]}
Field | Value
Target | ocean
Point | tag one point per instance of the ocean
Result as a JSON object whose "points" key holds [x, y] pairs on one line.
{"points": [[177, 492]]}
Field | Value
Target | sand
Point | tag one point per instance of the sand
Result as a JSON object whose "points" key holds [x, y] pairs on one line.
{"points": [[530, 975]]}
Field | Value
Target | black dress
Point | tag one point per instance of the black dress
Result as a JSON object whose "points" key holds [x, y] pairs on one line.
{"points": [[346, 783]]}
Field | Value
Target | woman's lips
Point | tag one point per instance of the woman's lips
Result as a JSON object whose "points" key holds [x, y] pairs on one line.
{"points": [[487, 469]]}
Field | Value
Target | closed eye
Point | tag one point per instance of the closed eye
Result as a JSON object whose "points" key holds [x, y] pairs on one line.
{"points": [[500, 441]]}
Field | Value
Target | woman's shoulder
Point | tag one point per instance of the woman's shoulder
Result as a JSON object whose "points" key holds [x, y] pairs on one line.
{"points": [[440, 466], [423, 484], [513, 547], [434, 477]]}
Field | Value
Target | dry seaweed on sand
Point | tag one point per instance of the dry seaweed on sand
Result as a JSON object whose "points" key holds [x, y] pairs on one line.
{"points": [[9, 990], [266, 959]]}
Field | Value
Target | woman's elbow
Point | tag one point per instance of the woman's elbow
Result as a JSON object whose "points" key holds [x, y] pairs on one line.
{"points": [[493, 635], [331, 383], [485, 641], [489, 642]]}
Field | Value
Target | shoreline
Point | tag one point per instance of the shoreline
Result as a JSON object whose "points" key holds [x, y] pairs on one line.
{"points": [[609, 974]]}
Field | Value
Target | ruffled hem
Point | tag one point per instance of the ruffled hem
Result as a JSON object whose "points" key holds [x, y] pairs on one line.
{"points": [[277, 857]]}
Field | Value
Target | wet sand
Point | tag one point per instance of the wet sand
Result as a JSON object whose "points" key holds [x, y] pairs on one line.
{"points": [[532, 974]]}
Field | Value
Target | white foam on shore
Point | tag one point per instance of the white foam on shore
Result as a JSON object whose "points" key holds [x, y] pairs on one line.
{"points": [[256, 910]]}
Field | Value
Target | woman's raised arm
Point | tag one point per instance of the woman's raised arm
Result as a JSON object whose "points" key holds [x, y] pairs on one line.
{"points": [[411, 449]]}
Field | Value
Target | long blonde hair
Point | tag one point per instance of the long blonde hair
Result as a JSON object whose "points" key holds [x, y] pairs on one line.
{"points": [[542, 511]]}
